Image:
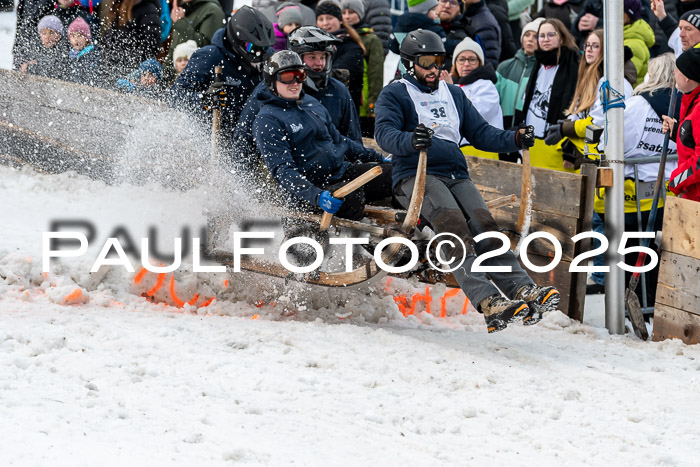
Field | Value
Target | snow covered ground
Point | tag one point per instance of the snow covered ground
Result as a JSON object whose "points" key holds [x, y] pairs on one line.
{"points": [[105, 369]]}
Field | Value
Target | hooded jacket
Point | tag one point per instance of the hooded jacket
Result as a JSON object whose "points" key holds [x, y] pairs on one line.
{"points": [[513, 76], [378, 17], [335, 98], [685, 180], [639, 36], [302, 149], [488, 30], [240, 79], [396, 118]]}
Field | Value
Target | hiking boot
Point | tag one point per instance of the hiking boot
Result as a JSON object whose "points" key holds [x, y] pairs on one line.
{"points": [[499, 311], [539, 300]]}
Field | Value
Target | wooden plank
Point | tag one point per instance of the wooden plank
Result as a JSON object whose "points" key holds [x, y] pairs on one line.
{"points": [[672, 323], [578, 294], [679, 282], [681, 227], [558, 193]]}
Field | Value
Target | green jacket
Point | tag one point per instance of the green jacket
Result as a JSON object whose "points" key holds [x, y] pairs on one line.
{"points": [[513, 75], [639, 36], [373, 79], [202, 19]]}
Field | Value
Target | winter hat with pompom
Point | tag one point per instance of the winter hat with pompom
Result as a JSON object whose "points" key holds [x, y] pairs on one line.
{"points": [[80, 26]]}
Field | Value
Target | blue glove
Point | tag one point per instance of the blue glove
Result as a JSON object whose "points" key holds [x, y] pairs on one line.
{"points": [[125, 85], [329, 203]]}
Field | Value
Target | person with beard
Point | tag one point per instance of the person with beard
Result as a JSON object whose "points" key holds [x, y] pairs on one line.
{"points": [[421, 112], [239, 48], [550, 90], [302, 149], [353, 14], [350, 52], [478, 81], [456, 26], [316, 48]]}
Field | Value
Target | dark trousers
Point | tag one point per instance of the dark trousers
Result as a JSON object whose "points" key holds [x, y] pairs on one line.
{"points": [[456, 206]]}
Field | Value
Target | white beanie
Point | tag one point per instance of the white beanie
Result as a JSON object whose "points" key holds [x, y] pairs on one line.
{"points": [[186, 49], [533, 25], [468, 44]]}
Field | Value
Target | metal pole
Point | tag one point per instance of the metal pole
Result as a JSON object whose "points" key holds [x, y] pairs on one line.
{"points": [[614, 153]]}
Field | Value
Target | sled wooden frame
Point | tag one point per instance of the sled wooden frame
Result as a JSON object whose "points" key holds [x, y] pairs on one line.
{"points": [[677, 306]]}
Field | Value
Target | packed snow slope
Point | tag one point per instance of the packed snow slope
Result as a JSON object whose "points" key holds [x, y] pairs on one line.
{"points": [[110, 369], [108, 377]]}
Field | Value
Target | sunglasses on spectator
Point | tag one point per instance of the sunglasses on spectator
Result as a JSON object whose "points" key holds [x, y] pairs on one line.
{"points": [[549, 35], [251, 48], [451, 2], [427, 62], [591, 46], [471, 60], [290, 76]]}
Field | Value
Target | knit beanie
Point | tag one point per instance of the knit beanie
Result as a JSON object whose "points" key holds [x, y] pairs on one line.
{"points": [[693, 17], [355, 5], [51, 22], [468, 44], [185, 49], [688, 63], [533, 26], [634, 9], [151, 65], [421, 6], [288, 13], [329, 8], [79, 25]]}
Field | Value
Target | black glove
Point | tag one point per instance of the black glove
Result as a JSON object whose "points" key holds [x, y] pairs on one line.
{"points": [[525, 136], [215, 96], [422, 137], [553, 135]]}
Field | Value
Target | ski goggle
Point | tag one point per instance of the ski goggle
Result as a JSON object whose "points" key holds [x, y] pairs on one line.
{"points": [[427, 62], [290, 76], [251, 48]]}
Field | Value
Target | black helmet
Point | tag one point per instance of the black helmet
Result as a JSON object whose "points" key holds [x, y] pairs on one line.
{"points": [[314, 39], [283, 60], [249, 33], [417, 43]]}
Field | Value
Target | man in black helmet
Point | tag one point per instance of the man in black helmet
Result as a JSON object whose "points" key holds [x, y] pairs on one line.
{"points": [[422, 112], [316, 48], [240, 48], [304, 152]]}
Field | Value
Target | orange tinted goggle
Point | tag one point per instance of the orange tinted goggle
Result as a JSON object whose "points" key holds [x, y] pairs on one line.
{"points": [[429, 61], [289, 76]]}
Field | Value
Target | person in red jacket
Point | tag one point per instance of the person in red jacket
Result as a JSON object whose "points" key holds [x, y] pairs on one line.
{"points": [[685, 180]]}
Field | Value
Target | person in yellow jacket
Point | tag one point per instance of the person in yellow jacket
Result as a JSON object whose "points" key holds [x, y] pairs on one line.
{"points": [[638, 36]]}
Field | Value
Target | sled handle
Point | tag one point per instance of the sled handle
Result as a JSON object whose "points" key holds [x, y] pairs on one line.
{"points": [[216, 122], [345, 190]]}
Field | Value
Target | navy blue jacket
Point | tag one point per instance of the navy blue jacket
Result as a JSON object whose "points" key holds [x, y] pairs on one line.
{"points": [[396, 118], [335, 98], [488, 30], [240, 79], [302, 149]]}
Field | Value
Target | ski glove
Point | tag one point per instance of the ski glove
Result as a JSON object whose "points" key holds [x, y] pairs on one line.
{"points": [[214, 97], [526, 139], [553, 134], [329, 203], [422, 137]]}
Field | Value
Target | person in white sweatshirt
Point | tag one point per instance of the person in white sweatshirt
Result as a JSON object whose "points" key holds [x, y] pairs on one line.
{"points": [[477, 79]]}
